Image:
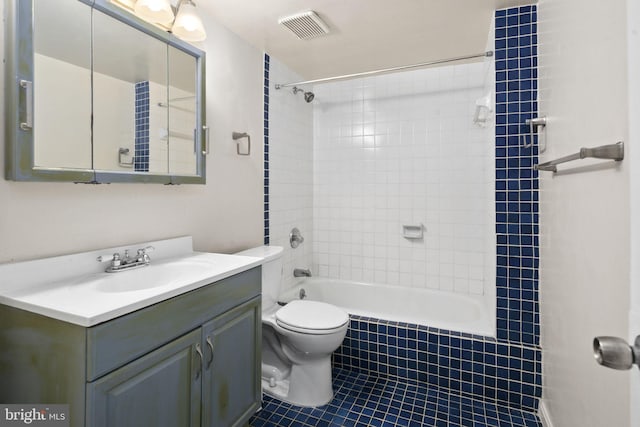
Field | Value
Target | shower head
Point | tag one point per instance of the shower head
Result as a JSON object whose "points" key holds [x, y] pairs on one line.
{"points": [[308, 96]]}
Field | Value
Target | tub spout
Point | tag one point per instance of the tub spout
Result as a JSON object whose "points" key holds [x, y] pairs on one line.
{"points": [[299, 272]]}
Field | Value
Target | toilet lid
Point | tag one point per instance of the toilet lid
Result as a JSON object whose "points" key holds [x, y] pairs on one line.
{"points": [[311, 315]]}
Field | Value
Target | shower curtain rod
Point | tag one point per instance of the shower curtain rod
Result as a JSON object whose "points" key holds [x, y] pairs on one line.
{"points": [[486, 54]]}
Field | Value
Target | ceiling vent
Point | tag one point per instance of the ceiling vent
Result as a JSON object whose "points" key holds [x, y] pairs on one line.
{"points": [[306, 25]]}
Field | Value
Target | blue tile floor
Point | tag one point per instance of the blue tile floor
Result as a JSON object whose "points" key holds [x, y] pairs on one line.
{"points": [[362, 400]]}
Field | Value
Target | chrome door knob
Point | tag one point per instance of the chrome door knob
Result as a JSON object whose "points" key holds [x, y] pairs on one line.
{"points": [[616, 353]]}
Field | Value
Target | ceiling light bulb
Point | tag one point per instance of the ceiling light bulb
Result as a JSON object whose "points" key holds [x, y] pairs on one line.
{"points": [[156, 11], [188, 25]]}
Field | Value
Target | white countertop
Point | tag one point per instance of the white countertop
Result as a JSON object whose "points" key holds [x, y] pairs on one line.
{"points": [[75, 288]]}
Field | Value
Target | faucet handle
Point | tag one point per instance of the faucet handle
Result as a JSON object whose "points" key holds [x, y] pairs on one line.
{"points": [[108, 257], [114, 259], [142, 254]]}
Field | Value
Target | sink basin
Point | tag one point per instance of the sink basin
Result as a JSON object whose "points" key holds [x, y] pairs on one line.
{"points": [[75, 288], [151, 276]]}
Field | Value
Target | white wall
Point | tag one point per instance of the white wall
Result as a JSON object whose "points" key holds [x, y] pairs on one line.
{"points": [[290, 171], [403, 149], [59, 81], [584, 218], [43, 219], [633, 51]]}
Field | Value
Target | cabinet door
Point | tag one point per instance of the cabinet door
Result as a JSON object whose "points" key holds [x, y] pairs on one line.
{"points": [[160, 389], [231, 382]]}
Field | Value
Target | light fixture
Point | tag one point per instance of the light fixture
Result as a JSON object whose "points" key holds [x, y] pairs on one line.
{"points": [[188, 25], [156, 11]]}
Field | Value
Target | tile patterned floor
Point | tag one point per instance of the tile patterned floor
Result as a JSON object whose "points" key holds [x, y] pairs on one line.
{"points": [[361, 400]]}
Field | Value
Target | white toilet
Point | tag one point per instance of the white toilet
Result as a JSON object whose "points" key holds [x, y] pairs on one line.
{"points": [[297, 339]]}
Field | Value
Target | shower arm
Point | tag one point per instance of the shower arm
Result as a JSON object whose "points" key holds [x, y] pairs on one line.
{"points": [[486, 54]]}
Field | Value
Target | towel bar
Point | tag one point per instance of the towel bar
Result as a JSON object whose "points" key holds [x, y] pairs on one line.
{"points": [[611, 152]]}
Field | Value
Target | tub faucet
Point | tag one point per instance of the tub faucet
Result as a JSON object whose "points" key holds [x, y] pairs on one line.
{"points": [[299, 272]]}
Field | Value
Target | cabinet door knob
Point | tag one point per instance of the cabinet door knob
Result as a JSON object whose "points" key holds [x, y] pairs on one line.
{"points": [[210, 344], [199, 351]]}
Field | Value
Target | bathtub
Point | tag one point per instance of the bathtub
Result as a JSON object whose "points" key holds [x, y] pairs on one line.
{"points": [[453, 312]]}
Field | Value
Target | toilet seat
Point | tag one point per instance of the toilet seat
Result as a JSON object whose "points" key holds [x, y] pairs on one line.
{"points": [[311, 317]]}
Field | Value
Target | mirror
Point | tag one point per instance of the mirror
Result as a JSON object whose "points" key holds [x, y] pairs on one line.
{"points": [[62, 138], [181, 106], [129, 70], [102, 97]]}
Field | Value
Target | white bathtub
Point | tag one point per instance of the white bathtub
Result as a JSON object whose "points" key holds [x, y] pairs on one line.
{"points": [[419, 306]]}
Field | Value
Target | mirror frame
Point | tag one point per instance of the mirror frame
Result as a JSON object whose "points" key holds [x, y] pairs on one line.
{"points": [[19, 65]]}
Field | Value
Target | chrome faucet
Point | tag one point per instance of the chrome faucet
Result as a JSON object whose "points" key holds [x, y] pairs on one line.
{"points": [[299, 272], [126, 262]]}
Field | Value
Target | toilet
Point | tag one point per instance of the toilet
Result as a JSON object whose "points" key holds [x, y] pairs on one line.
{"points": [[297, 338]]}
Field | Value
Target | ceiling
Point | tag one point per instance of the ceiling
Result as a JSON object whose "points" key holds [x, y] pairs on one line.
{"points": [[365, 34]]}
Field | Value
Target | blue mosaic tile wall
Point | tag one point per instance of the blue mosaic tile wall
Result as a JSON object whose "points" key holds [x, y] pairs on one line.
{"points": [[508, 369], [471, 365], [266, 149], [141, 145], [516, 181]]}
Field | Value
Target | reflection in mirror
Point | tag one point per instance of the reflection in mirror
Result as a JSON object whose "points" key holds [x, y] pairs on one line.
{"points": [[182, 107], [130, 78], [62, 84]]}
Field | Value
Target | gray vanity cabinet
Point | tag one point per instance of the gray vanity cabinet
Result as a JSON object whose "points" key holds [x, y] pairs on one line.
{"points": [[161, 389], [213, 371], [231, 384], [192, 360]]}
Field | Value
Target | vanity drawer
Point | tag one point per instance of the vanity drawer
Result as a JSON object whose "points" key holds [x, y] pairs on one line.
{"points": [[114, 343]]}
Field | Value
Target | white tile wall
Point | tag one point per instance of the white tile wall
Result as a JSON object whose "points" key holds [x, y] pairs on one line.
{"points": [[290, 171], [403, 149]]}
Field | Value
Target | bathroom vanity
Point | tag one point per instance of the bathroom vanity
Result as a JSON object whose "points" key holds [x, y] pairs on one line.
{"points": [[190, 359]]}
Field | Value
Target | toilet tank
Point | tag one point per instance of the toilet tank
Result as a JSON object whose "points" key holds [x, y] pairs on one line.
{"points": [[271, 272]]}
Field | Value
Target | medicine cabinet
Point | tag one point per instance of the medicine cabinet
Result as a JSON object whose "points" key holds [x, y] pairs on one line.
{"points": [[96, 95]]}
